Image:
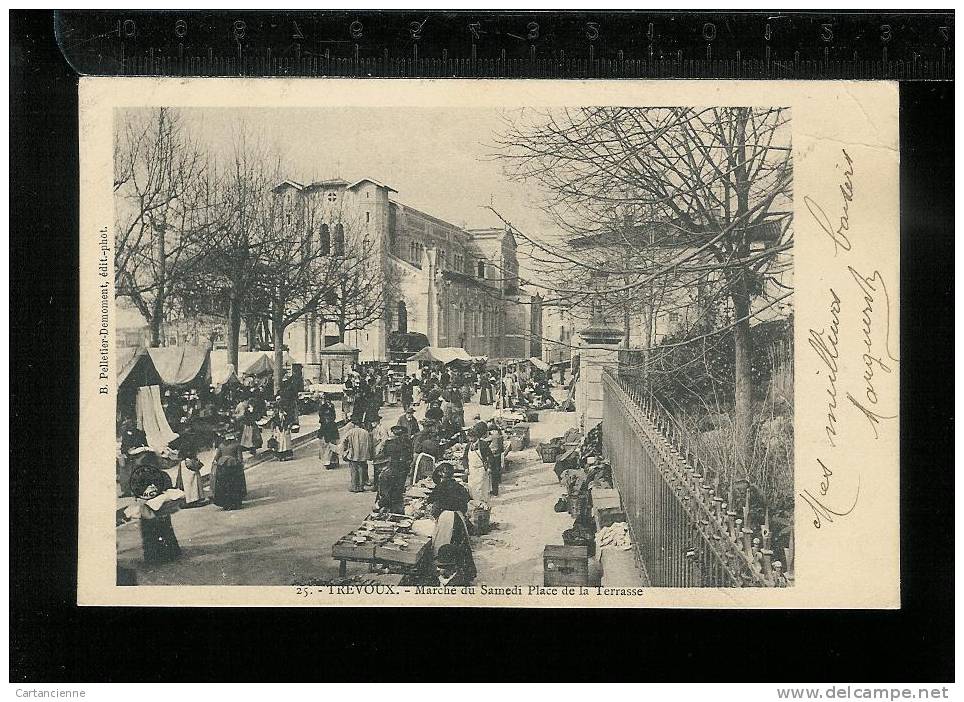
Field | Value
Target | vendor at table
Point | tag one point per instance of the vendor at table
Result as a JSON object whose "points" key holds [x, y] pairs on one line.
{"points": [[449, 494], [391, 480], [453, 550], [427, 441]]}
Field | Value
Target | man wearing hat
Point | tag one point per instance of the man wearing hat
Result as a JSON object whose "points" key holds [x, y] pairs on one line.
{"points": [[434, 411], [496, 451], [381, 435], [427, 441], [408, 422], [356, 448]]}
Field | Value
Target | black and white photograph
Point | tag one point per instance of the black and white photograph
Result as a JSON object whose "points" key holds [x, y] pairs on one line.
{"points": [[489, 344], [444, 347]]}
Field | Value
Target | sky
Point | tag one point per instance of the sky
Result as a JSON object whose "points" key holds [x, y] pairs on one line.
{"points": [[439, 160]]}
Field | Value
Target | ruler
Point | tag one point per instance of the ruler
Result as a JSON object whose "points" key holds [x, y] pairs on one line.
{"points": [[745, 45]]}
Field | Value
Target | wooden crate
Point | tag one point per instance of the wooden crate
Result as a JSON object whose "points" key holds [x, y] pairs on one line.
{"points": [[412, 555], [605, 498], [565, 565], [349, 550], [606, 516]]}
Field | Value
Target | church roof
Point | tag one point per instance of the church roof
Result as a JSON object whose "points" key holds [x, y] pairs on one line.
{"points": [[372, 181]]}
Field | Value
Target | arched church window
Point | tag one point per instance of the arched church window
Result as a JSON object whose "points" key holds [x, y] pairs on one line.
{"points": [[480, 269], [339, 239], [324, 240]]}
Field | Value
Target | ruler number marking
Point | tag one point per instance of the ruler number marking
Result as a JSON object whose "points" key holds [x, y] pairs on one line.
{"points": [[415, 28], [592, 31], [533, 31], [297, 33], [886, 34], [709, 31], [826, 32], [126, 28], [180, 29], [238, 29], [356, 29]]}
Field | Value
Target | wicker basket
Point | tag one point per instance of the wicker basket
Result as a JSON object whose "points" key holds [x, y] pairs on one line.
{"points": [[549, 452], [480, 520]]}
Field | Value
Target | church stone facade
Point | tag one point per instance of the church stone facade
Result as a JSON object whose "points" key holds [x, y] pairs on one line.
{"points": [[458, 286]]}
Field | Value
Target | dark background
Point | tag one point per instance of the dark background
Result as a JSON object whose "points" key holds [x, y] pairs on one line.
{"points": [[51, 639]]}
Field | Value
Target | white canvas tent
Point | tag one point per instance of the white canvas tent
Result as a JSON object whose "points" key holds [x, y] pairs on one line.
{"points": [[443, 354], [249, 363]]}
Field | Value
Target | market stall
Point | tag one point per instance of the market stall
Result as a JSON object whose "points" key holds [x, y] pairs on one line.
{"points": [[250, 363], [223, 377], [183, 366], [403, 543], [446, 355]]}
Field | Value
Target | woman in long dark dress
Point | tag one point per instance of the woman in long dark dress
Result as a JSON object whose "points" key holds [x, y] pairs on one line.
{"points": [[230, 488], [485, 389], [157, 534], [327, 434]]}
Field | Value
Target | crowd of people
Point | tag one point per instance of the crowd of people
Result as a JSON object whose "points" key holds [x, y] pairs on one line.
{"points": [[251, 417], [391, 451]]}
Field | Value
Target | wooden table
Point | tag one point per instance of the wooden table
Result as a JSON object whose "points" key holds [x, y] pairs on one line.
{"points": [[410, 559]]}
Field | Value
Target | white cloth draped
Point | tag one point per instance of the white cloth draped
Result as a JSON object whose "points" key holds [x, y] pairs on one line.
{"points": [[151, 418], [479, 480]]}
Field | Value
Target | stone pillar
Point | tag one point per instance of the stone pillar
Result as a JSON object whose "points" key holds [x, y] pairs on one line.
{"points": [[598, 349]]}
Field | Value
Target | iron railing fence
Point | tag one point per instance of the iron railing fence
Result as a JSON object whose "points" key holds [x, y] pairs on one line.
{"points": [[687, 534]]}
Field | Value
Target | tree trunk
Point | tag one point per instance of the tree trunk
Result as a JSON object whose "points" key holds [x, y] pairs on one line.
{"points": [[234, 333], [278, 336], [252, 324], [743, 349], [742, 342], [155, 327], [626, 329]]}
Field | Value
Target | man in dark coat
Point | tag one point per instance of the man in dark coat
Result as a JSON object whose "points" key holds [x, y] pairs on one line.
{"points": [[449, 494], [408, 422], [406, 393], [399, 446], [427, 441], [434, 412]]}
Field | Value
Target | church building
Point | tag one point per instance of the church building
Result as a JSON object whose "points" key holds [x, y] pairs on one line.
{"points": [[457, 286]]}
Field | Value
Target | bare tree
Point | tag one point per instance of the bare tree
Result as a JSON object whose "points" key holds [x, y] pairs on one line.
{"points": [[297, 267], [233, 255], [163, 210], [362, 291], [706, 193]]}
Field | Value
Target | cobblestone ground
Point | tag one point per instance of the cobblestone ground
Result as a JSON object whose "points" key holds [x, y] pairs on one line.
{"points": [[296, 510]]}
